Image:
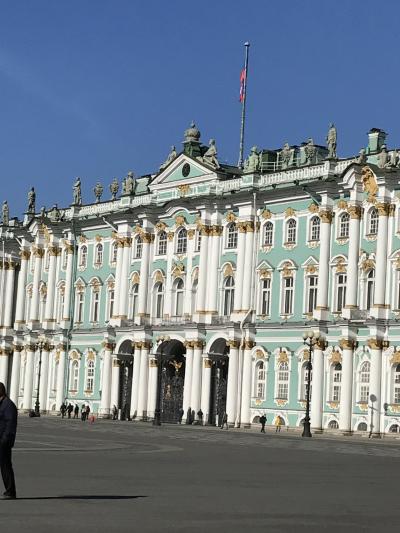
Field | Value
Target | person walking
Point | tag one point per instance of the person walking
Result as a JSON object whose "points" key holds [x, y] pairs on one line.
{"points": [[8, 431], [224, 421], [200, 417], [180, 415], [278, 423], [83, 412], [115, 413], [263, 421], [76, 411], [63, 409], [70, 408], [87, 412]]}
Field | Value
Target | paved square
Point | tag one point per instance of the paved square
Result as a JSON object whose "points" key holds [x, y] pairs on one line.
{"points": [[116, 476]]}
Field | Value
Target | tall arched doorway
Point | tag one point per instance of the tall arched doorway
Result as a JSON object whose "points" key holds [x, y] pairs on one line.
{"points": [[219, 379], [172, 379], [125, 357]]}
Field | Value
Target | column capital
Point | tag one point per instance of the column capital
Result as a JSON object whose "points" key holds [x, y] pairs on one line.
{"points": [[37, 252], [198, 343], [242, 226], [383, 209], [354, 211], [347, 344], [216, 231], [153, 362], [147, 237], [54, 251], [248, 344], [24, 255], [207, 362], [18, 347], [108, 345], [326, 216], [375, 344], [30, 347], [233, 343], [188, 344]]}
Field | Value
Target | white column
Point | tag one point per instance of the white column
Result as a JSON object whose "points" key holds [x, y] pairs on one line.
{"points": [[354, 249], [245, 417], [381, 255], [324, 257], [144, 276], [203, 263], [196, 376], [60, 377], [206, 389], [346, 390], [144, 379], [151, 401], [374, 403], [69, 250], [135, 381], [231, 393], [120, 259], [241, 261], [51, 285], [187, 387], [44, 378], [317, 388], [28, 383], [4, 355], [247, 277], [115, 384], [21, 290], [9, 295], [37, 273], [212, 281], [123, 293], [105, 401], [15, 374]]}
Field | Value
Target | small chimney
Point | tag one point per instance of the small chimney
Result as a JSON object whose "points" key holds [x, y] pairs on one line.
{"points": [[376, 139]]}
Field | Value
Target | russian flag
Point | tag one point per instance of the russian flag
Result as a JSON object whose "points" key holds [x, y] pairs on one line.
{"points": [[242, 85]]}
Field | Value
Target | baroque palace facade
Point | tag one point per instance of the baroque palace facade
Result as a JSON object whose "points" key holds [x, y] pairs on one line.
{"points": [[213, 273]]}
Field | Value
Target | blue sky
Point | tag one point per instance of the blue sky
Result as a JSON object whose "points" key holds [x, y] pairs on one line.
{"points": [[97, 88]]}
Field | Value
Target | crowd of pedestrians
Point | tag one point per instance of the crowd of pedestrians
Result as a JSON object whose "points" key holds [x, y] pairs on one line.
{"points": [[66, 410]]}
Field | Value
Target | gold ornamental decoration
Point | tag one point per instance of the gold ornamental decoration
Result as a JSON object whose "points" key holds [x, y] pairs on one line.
{"points": [[395, 359], [228, 270], [82, 239], [160, 226], [369, 184], [354, 211], [336, 357], [342, 204], [375, 344], [311, 269], [313, 208], [98, 238], [183, 189], [230, 217], [266, 214], [367, 265], [383, 209], [135, 277], [259, 354], [340, 266], [159, 278], [346, 344], [180, 220], [264, 273], [170, 235], [290, 212], [326, 216], [283, 357], [191, 233]]}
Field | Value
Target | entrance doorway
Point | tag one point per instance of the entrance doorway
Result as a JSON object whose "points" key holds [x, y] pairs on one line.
{"points": [[172, 379], [219, 380], [125, 356]]}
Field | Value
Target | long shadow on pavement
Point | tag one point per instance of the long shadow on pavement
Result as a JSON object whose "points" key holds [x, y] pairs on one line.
{"points": [[82, 497]]}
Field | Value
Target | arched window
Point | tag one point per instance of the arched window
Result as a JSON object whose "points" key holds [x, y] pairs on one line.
{"points": [[111, 301], [312, 284], [266, 296], [194, 295], [134, 300], [291, 231], [231, 235], [336, 381], [259, 381], [138, 247], [229, 295], [159, 300], [344, 222], [370, 289], [114, 252], [179, 294], [162, 243], [394, 428], [181, 241], [362, 426], [287, 296], [373, 222], [80, 298], [396, 384], [90, 376], [95, 304], [268, 233], [364, 381], [283, 381], [333, 424], [98, 256], [74, 376], [315, 228], [83, 256], [341, 282]]}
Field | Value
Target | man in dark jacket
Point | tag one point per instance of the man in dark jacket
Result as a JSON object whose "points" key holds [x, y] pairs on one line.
{"points": [[8, 431]]}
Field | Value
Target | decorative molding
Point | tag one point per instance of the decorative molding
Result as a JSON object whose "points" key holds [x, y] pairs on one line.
{"points": [[228, 271], [266, 214], [335, 357], [170, 235], [265, 274], [375, 344], [383, 209], [180, 220], [135, 277], [290, 212], [342, 204], [191, 234], [347, 344], [283, 357], [354, 211], [160, 226], [313, 208], [326, 216], [230, 217], [183, 189]]}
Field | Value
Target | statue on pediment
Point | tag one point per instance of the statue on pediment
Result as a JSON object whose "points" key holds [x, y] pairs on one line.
{"points": [[31, 200], [98, 191], [383, 158], [171, 156], [128, 184], [331, 141], [55, 214], [362, 157], [192, 134], [286, 154], [394, 159], [77, 192], [210, 156], [252, 163], [310, 151], [5, 213], [114, 188]]}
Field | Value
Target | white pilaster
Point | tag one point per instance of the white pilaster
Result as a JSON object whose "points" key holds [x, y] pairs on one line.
{"points": [[144, 277], [203, 270], [4, 359], [144, 379], [115, 384], [353, 256], [60, 393], [248, 276], [317, 388], [28, 383], [135, 382], [44, 378], [241, 260], [105, 401], [212, 292], [196, 376], [206, 389], [15, 374], [187, 388], [381, 261], [9, 295], [374, 403], [51, 286], [245, 416], [231, 394], [152, 396], [118, 270], [21, 290], [37, 273], [346, 399], [323, 267], [123, 294], [69, 250]]}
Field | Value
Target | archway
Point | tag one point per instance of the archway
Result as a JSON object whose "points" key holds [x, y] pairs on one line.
{"points": [[218, 355], [173, 366], [125, 357]]}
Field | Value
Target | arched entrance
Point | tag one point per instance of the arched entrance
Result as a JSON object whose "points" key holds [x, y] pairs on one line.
{"points": [[125, 356], [172, 379], [219, 379]]}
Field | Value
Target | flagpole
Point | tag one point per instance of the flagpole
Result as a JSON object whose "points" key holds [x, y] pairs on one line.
{"points": [[246, 64]]}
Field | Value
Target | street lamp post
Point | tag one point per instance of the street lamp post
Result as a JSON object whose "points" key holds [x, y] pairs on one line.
{"points": [[310, 339], [40, 345]]}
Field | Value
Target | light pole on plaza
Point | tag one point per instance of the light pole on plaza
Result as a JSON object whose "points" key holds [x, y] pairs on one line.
{"points": [[310, 339], [160, 360], [41, 344]]}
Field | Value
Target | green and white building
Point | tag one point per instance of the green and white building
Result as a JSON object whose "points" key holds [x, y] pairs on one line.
{"points": [[216, 272]]}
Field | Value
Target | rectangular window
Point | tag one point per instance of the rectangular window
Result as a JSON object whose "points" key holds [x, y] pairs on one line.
{"points": [[312, 293], [96, 305], [288, 296], [79, 307], [283, 391], [336, 393], [266, 297], [364, 393], [341, 292], [198, 242], [111, 296]]}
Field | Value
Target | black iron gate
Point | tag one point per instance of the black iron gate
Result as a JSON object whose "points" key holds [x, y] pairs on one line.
{"points": [[219, 380], [173, 376], [125, 386]]}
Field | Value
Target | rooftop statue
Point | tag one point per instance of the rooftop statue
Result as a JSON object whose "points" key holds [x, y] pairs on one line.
{"points": [[394, 159], [171, 156], [42, 213], [286, 154], [310, 152], [192, 133], [55, 214], [383, 158], [5, 213], [252, 163], [128, 184], [114, 188], [31, 200], [210, 156], [77, 192], [98, 191], [362, 158], [331, 140]]}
